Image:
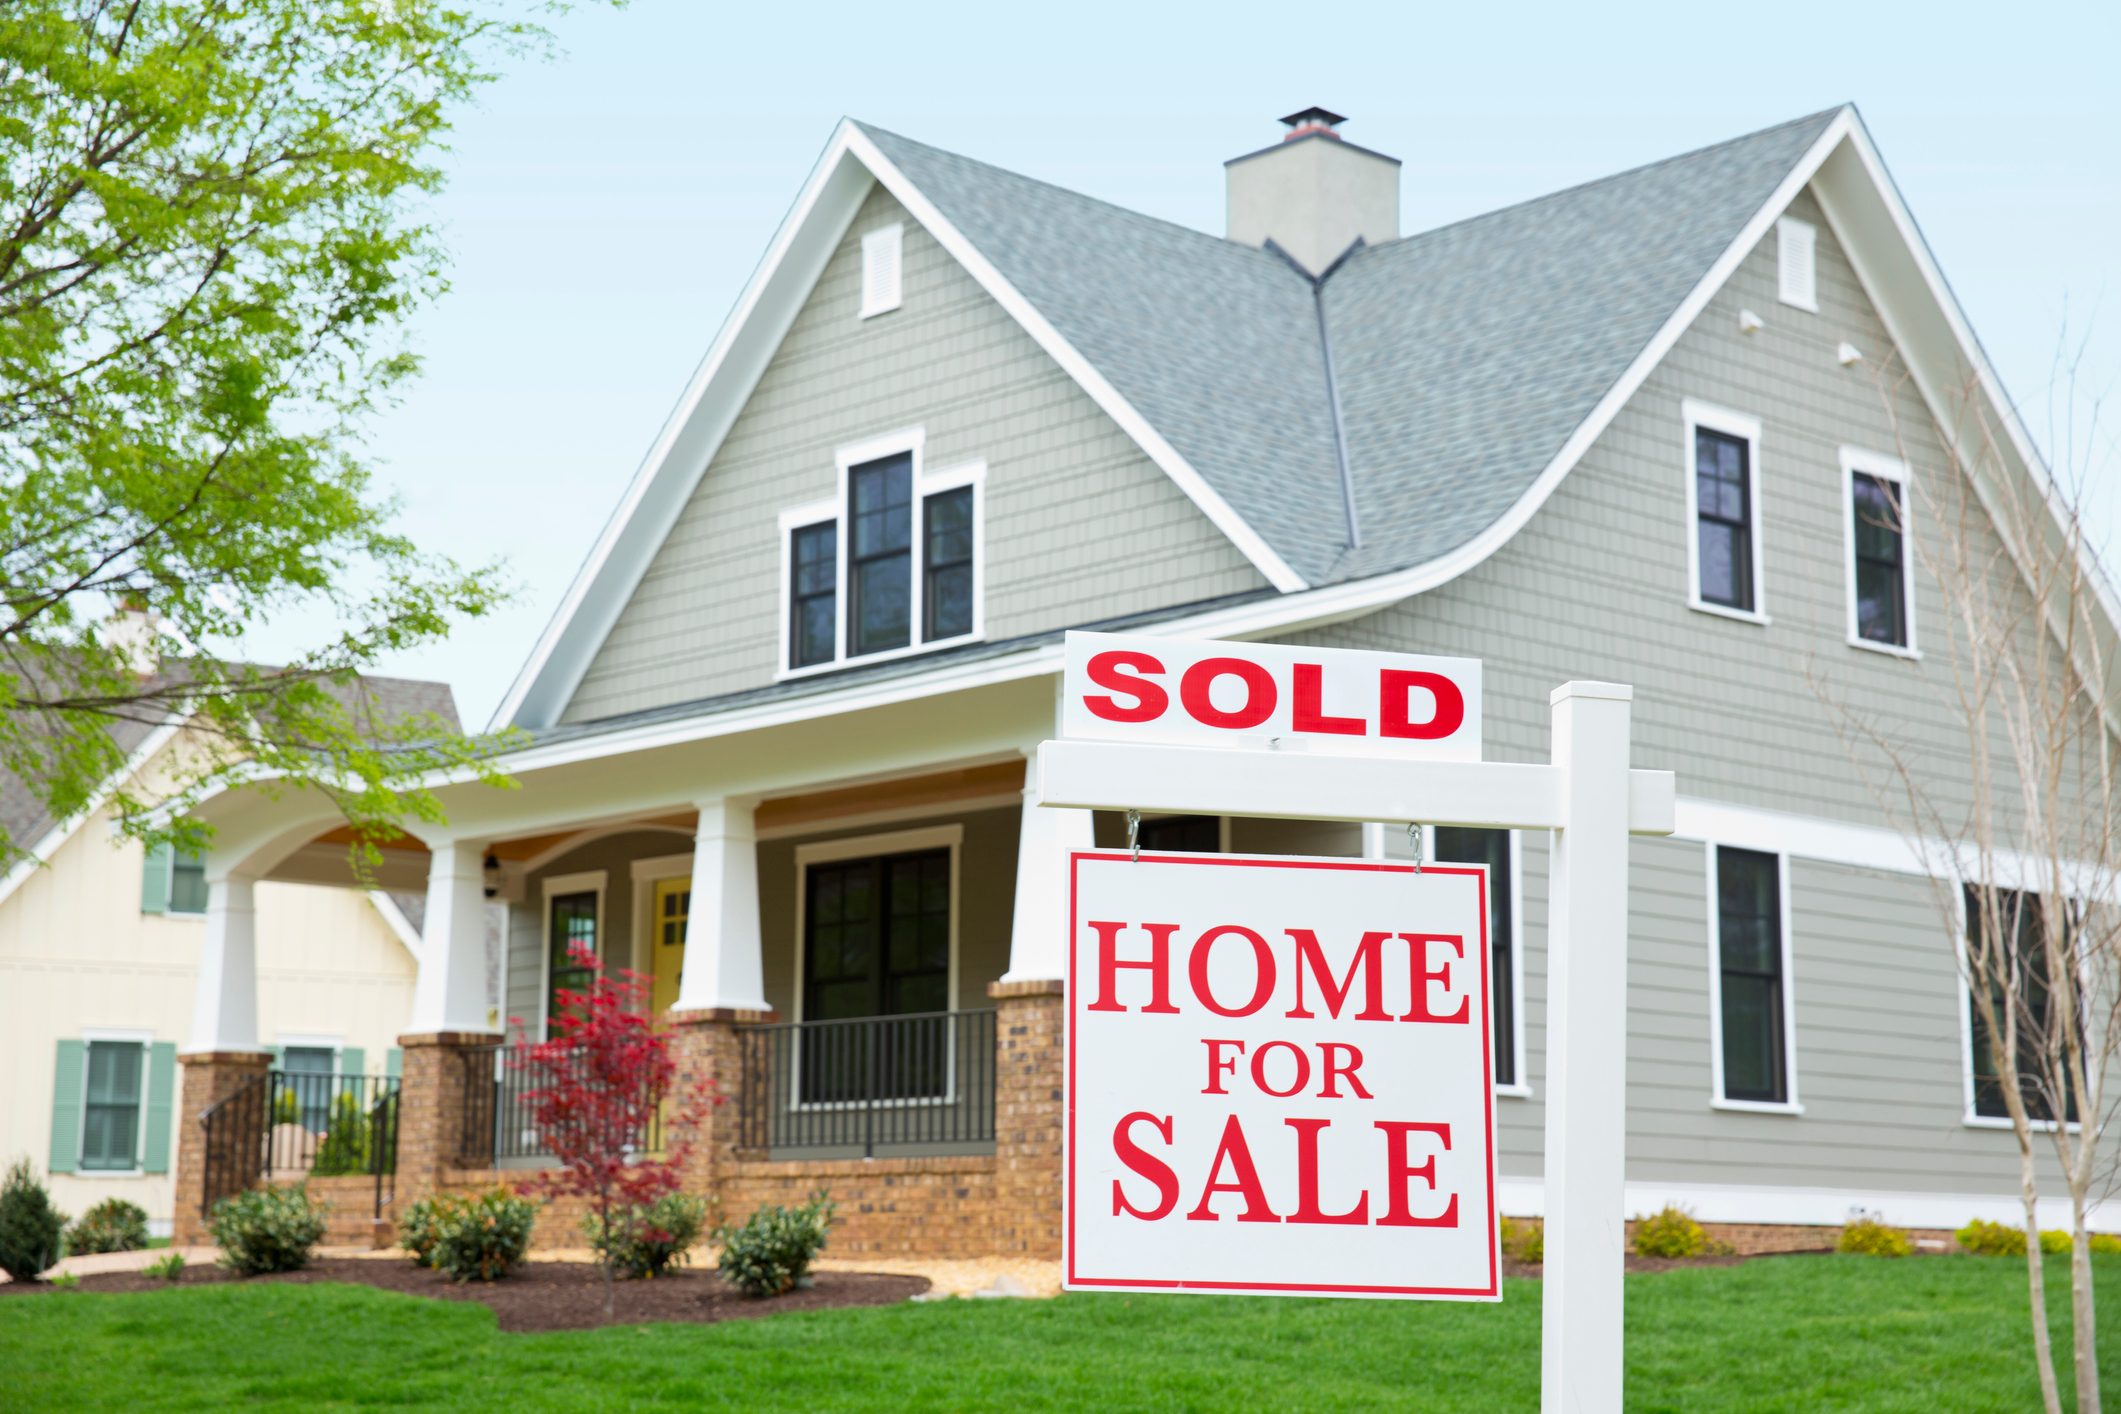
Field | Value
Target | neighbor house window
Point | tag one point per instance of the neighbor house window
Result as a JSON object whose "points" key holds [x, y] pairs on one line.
{"points": [[1492, 848], [2021, 954], [308, 1075], [1751, 985], [1881, 584], [572, 924], [890, 567], [172, 881], [110, 1118], [1723, 496]]}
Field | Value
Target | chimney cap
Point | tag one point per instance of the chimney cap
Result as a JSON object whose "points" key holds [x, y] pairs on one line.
{"points": [[1325, 117]]}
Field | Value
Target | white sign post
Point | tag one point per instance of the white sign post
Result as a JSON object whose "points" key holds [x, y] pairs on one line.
{"points": [[1275, 731]]}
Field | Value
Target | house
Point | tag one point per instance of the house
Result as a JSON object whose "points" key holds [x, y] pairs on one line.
{"points": [[100, 950], [782, 730]]}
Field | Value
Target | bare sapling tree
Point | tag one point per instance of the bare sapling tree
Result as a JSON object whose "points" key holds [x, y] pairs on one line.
{"points": [[2014, 819]]}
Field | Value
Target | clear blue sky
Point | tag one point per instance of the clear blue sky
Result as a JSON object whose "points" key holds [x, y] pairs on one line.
{"points": [[606, 208]]}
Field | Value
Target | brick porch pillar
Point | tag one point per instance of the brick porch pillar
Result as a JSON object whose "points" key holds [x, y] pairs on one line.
{"points": [[707, 1047], [432, 1089], [1029, 1026], [209, 1078]]}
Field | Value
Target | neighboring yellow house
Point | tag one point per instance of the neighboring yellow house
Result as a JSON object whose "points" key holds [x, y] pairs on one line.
{"points": [[99, 954]]}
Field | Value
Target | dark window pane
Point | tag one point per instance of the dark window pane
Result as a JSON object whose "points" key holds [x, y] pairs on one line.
{"points": [[2021, 951], [1881, 572], [877, 936], [880, 555], [1723, 497], [1182, 834], [1492, 848], [1749, 960], [883, 592], [813, 595], [947, 521], [574, 922], [187, 883], [110, 1122]]}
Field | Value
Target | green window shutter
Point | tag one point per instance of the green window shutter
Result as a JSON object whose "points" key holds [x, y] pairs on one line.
{"points": [[351, 1060], [66, 1107], [394, 1063], [275, 1050], [154, 880], [161, 1100]]}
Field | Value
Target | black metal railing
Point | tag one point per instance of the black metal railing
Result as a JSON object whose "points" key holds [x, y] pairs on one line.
{"points": [[908, 1084], [282, 1128], [500, 1126]]}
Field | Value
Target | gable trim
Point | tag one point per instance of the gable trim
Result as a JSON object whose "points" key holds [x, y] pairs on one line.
{"points": [[689, 438], [40, 854]]}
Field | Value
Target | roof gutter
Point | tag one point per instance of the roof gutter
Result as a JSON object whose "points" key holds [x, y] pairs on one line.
{"points": [[1325, 351]]}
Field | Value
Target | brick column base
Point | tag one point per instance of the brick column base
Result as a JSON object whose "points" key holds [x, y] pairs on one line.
{"points": [[431, 1093], [1029, 1027], [209, 1078], [708, 1048]]}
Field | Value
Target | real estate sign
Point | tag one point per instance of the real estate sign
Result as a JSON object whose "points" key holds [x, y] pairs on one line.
{"points": [[1278, 1077]]}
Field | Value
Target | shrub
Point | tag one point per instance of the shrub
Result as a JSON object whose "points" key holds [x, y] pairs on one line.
{"points": [[286, 1109], [2106, 1244], [345, 1145], [267, 1230], [480, 1237], [770, 1254], [168, 1268], [646, 1240], [419, 1228], [1524, 1242], [1865, 1236], [1671, 1232], [1986, 1239], [30, 1227], [113, 1225], [2054, 1240], [66, 1281]]}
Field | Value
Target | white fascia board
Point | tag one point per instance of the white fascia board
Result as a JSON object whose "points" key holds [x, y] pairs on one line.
{"points": [[734, 363], [1262, 555], [40, 854]]}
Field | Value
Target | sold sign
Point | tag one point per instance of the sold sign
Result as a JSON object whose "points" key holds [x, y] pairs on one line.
{"points": [[1278, 1078], [1130, 687]]}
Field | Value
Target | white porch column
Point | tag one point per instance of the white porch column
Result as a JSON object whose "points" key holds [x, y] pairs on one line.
{"points": [[450, 992], [1587, 1003], [724, 967], [224, 1014], [1038, 931]]}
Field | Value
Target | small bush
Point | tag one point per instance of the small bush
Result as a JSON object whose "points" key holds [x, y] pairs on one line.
{"points": [[1671, 1232], [168, 1268], [1986, 1239], [1524, 1242], [480, 1238], [113, 1225], [30, 1227], [345, 1146], [1866, 1236], [2106, 1244], [419, 1228], [645, 1242], [771, 1253], [286, 1109], [66, 1281], [267, 1230]]}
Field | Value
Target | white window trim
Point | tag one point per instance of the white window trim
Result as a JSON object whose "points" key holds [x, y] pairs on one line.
{"points": [[1696, 414], [925, 482], [145, 1040], [893, 235], [1969, 1117], [586, 881], [1854, 462], [1717, 1099], [951, 837], [1521, 1087], [1782, 293]]}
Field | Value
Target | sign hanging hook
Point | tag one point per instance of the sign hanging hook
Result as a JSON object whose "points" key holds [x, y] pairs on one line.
{"points": [[1414, 843], [1134, 830]]}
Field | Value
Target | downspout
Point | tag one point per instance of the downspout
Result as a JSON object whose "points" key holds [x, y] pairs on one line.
{"points": [[1325, 350]]}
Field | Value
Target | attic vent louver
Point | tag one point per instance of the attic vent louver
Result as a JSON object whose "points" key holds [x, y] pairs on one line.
{"points": [[1796, 266], [880, 269]]}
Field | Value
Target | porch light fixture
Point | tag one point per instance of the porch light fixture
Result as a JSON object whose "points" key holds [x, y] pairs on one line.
{"points": [[491, 870]]}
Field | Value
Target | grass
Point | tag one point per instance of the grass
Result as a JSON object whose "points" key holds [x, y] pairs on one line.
{"points": [[1806, 1333]]}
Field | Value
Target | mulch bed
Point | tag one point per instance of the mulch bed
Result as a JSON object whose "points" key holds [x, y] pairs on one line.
{"points": [[552, 1296]]}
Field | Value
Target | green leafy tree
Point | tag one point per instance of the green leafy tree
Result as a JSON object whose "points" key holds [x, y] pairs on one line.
{"points": [[210, 239]]}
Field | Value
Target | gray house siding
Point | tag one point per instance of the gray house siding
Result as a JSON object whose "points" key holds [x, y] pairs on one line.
{"points": [[1080, 524]]}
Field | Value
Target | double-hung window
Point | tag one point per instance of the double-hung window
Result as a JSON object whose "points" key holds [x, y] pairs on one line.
{"points": [[1723, 508], [1750, 967], [1880, 569], [1492, 847], [2016, 969], [889, 566], [573, 904], [110, 1117]]}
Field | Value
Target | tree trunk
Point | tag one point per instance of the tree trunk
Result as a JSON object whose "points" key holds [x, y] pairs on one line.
{"points": [[610, 1287], [2084, 1333], [2036, 1283]]}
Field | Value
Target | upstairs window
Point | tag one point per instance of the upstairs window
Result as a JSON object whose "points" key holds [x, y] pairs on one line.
{"points": [[1796, 263], [1880, 568], [1723, 504], [892, 566], [172, 881]]}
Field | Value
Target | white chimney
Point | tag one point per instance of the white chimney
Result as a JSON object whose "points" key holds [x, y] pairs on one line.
{"points": [[132, 630], [1313, 193]]}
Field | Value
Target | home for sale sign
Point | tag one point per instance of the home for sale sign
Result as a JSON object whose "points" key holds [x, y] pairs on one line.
{"points": [[1278, 1077]]}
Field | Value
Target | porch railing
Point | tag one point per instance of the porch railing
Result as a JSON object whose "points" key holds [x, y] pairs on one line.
{"points": [[499, 1127], [901, 1084], [285, 1127]]}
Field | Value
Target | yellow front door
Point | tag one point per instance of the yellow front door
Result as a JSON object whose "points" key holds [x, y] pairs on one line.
{"points": [[670, 911]]}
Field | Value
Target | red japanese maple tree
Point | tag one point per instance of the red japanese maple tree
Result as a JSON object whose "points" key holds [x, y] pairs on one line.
{"points": [[596, 1087]]}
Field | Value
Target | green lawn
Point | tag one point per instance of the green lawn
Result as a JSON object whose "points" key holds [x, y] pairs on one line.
{"points": [[1806, 1333]]}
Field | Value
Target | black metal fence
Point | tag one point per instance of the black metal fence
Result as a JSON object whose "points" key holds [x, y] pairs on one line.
{"points": [[282, 1127], [500, 1127], [909, 1084]]}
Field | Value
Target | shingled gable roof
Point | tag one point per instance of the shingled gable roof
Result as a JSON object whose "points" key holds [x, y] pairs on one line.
{"points": [[1477, 361]]}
